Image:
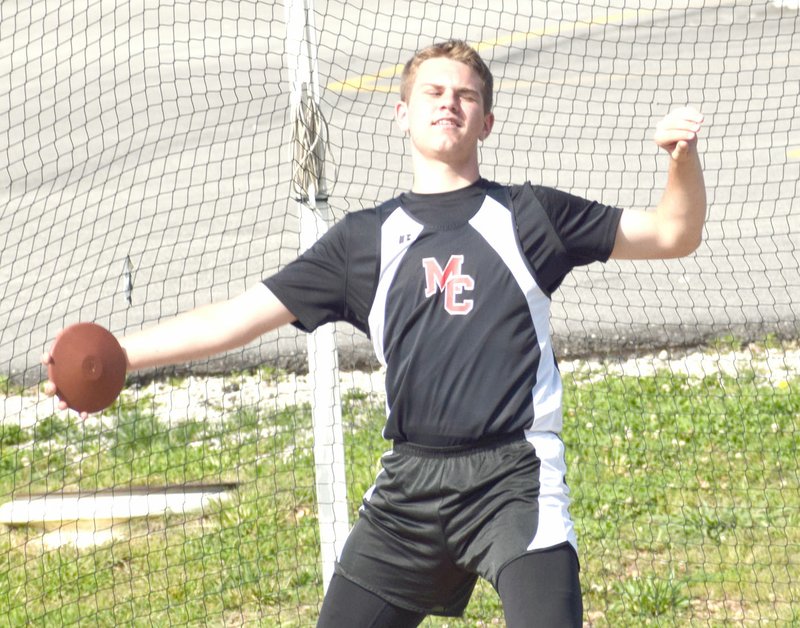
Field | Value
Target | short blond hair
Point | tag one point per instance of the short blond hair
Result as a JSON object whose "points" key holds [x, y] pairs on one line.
{"points": [[456, 50]]}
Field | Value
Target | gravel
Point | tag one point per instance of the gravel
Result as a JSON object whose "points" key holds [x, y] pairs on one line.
{"points": [[212, 398]]}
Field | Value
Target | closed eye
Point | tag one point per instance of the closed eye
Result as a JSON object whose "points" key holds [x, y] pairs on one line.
{"points": [[469, 94]]}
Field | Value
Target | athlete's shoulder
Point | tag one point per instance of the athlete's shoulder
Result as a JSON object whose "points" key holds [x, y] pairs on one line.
{"points": [[371, 216], [553, 202], [542, 194], [357, 233]]}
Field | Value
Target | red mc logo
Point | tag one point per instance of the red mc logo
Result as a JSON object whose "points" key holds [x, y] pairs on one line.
{"points": [[450, 281]]}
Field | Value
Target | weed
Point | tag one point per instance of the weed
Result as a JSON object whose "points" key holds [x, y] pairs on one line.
{"points": [[650, 596]]}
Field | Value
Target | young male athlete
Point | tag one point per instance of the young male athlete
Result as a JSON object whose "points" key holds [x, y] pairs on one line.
{"points": [[452, 281]]}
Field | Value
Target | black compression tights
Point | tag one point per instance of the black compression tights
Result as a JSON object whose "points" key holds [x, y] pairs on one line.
{"points": [[539, 589], [542, 589], [347, 605]]}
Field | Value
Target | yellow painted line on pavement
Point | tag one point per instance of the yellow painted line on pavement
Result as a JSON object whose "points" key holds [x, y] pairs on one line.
{"points": [[370, 82], [367, 82]]}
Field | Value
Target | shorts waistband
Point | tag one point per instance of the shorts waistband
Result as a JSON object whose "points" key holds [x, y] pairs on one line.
{"points": [[484, 444]]}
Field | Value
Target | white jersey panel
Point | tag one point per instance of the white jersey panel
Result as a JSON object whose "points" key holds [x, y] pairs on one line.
{"points": [[392, 251], [495, 223]]}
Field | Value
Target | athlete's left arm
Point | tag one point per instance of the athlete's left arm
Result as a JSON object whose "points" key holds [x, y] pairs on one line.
{"points": [[675, 228]]}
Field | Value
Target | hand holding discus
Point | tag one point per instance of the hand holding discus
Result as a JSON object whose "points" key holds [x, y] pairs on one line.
{"points": [[86, 368]]}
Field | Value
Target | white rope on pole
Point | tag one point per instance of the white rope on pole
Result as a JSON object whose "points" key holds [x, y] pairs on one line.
{"points": [[323, 365]]}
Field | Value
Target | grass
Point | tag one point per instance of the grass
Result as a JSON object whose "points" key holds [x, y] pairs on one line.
{"points": [[686, 499]]}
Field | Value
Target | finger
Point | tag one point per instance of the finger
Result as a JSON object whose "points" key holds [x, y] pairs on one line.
{"points": [[667, 137], [689, 113], [680, 125], [49, 388], [46, 357], [675, 128], [680, 150], [685, 113], [676, 122]]}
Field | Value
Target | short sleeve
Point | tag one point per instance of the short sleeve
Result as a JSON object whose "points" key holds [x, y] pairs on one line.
{"points": [[335, 279], [559, 231], [586, 228], [312, 286]]}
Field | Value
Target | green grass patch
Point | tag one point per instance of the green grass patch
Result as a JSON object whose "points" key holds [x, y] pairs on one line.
{"points": [[686, 499]]}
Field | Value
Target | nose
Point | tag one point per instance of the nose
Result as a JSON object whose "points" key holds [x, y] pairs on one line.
{"points": [[449, 100]]}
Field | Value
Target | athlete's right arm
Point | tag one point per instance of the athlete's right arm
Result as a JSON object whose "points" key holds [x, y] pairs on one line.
{"points": [[207, 330], [202, 332]]}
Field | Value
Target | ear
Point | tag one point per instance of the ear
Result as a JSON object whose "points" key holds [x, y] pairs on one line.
{"points": [[401, 116], [488, 124]]}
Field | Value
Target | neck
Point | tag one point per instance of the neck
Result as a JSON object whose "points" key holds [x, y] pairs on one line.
{"points": [[431, 177]]}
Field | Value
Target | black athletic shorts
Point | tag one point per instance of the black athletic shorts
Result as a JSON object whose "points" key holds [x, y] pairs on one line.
{"points": [[437, 518]]}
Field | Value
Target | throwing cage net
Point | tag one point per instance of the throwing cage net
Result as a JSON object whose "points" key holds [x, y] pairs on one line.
{"points": [[159, 156]]}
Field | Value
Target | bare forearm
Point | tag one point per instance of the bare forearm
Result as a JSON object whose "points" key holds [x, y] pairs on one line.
{"points": [[681, 212], [206, 331], [675, 228], [189, 336]]}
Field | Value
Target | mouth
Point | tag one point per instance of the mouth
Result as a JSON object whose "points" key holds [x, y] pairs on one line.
{"points": [[447, 122]]}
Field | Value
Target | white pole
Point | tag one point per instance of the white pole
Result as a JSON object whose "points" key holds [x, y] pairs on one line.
{"points": [[323, 365]]}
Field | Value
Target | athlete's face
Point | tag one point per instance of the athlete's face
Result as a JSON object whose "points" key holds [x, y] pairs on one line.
{"points": [[443, 113]]}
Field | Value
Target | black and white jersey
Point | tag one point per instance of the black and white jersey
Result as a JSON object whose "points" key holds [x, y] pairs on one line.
{"points": [[454, 290]]}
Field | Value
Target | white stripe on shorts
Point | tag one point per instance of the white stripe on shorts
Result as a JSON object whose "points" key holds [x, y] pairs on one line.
{"points": [[555, 524]]}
